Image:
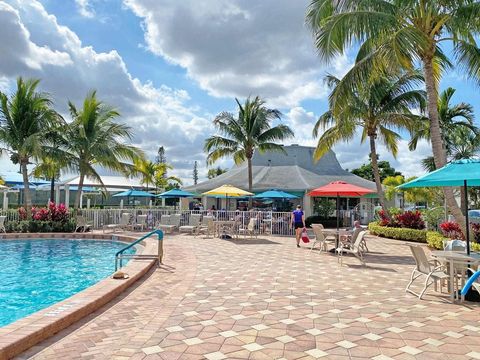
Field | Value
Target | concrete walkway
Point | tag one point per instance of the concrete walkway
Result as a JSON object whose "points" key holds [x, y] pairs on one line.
{"points": [[265, 299]]}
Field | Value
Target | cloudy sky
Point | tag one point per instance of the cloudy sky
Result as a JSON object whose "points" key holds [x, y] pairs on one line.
{"points": [[170, 66]]}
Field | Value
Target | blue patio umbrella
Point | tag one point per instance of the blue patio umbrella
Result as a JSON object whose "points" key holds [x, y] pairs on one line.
{"points": [[175, 194], [275, 194], [133, 193], [464, 173]]}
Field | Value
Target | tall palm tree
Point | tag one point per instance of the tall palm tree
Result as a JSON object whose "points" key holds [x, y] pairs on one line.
{"points": [[241, 135], [25, 117], [153, 173], [95, 139], [400, 34], [451, 117], [376, 108]]}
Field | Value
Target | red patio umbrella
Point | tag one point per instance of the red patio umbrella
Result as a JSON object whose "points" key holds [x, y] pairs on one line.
{"points": [[339, 188]]}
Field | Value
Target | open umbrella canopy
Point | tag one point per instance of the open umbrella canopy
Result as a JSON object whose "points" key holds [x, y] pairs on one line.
{"points": [[275, 194], [464, 173], [175, 193], [229, 191], [340, 188], [452, 174], [21, 187], [133, 193]]}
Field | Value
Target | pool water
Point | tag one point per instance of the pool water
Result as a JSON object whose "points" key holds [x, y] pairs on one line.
{"points": [[35, 274]]}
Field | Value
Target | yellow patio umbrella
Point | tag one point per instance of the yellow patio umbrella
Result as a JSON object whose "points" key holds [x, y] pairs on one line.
{"points": [[228, 191]]}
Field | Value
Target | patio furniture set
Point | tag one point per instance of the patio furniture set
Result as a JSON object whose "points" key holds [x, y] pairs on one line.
{"points": [[343, 241], [452, 266]]}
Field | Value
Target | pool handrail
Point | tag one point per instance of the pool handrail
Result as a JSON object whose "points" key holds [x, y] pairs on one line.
{"points": [[119, 255]]}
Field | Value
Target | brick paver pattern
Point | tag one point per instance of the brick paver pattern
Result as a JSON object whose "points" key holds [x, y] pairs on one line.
{"points": [[265, 299]]}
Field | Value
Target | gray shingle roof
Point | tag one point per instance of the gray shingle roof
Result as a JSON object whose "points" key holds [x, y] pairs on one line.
{"points": [[293, 171]]}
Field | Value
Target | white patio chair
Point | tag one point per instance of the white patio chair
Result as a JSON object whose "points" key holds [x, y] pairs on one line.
{"points": [[2, 224], [165, 224], [432, 271], [320, 238], [141, 222], [193, 223], [81, 224], [354, 249], [249, 230], [207, 227]]}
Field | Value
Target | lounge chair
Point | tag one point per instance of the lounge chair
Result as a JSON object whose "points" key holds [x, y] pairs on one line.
{"points": [[320, 238], [430, 269], [82, 225], [123, 225], [193, 223], [168, 223], [249, 230], [141, 222], [2, 224], [207, 227], [355, 249]]}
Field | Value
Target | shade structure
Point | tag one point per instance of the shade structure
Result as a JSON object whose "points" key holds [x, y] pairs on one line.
{"points": [[21, 187], [228, 191], [275, 194], [133, 193], [464, 173], [175, 194], [339, 188]]}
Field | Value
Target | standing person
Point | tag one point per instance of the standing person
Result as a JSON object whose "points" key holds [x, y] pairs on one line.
{"points": [[298, 223]]}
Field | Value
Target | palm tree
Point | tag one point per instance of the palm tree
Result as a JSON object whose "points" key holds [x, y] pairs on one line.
{"points": [[251, 130], [25, 117], [399, 34], [96, 140], [451, 118], [153, 173], [376, 108]]}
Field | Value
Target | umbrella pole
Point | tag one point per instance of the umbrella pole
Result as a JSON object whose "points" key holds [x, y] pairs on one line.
{"points": [[338, 219], [467, 230]]}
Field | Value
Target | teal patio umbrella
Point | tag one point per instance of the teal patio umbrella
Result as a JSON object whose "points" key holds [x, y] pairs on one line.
{"points": [[175, 194], [133, 193], [463, 173], [275, 194]]}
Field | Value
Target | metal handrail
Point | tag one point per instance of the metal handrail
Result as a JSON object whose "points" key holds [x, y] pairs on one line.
{"points": [[119, 255]]}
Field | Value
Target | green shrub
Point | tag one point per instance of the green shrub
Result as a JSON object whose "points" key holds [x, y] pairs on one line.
{"points": [[435, 240], [35, 226], [398, 233]]}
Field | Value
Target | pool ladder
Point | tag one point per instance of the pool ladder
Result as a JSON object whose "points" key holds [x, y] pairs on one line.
{"points": [[119, 256]]}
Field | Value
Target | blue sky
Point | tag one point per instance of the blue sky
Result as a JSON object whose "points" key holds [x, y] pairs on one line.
{"points": [[170, 66]]}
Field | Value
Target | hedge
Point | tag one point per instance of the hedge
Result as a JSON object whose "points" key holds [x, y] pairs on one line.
{"points": [[37, 226], [435, 240], [398, 233]]}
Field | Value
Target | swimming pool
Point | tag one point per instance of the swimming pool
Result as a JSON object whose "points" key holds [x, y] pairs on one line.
{"points": [[35, 274]]}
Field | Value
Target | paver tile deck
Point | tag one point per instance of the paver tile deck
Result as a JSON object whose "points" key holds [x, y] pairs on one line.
{"points": [[266, 299]]}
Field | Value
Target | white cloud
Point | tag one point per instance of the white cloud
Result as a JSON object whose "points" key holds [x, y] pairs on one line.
{"points": [[35, 45], [239, 48], [85, 8]]}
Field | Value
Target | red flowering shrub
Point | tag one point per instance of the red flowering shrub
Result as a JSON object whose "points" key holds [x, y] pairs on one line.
{"points": [[407, 219], [410, 220], [53, 212], [452, 230]]}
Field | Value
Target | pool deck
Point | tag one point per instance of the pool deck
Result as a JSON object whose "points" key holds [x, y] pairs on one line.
{"points": [[265, 299]]}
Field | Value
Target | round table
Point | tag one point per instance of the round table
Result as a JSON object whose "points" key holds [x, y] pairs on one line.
{"points": [[453, 257]]}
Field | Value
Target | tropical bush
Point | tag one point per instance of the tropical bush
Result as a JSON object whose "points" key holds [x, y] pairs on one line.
{"points": [[435, 240], [433, 217], [452, 230], [418, 235], [54, 218], [407, 219]]}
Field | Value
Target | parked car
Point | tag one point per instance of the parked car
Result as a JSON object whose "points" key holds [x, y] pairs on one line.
{"points": [[474, 213]]}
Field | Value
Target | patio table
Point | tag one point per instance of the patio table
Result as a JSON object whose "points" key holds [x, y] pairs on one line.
{"points": [[225, 227], [337, 233], [455, 258]]}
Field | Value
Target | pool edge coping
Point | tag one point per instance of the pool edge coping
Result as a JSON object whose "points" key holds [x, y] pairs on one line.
{"points": [[26, 332]]}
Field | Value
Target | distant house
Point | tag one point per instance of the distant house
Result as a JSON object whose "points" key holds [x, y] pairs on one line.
{"points": [[293, 171]]}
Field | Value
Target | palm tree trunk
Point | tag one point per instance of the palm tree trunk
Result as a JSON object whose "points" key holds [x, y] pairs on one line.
{"points": [[250, 180], [79, 191], [27, 201], [52, 189], [376, 175], [438, 149]]}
